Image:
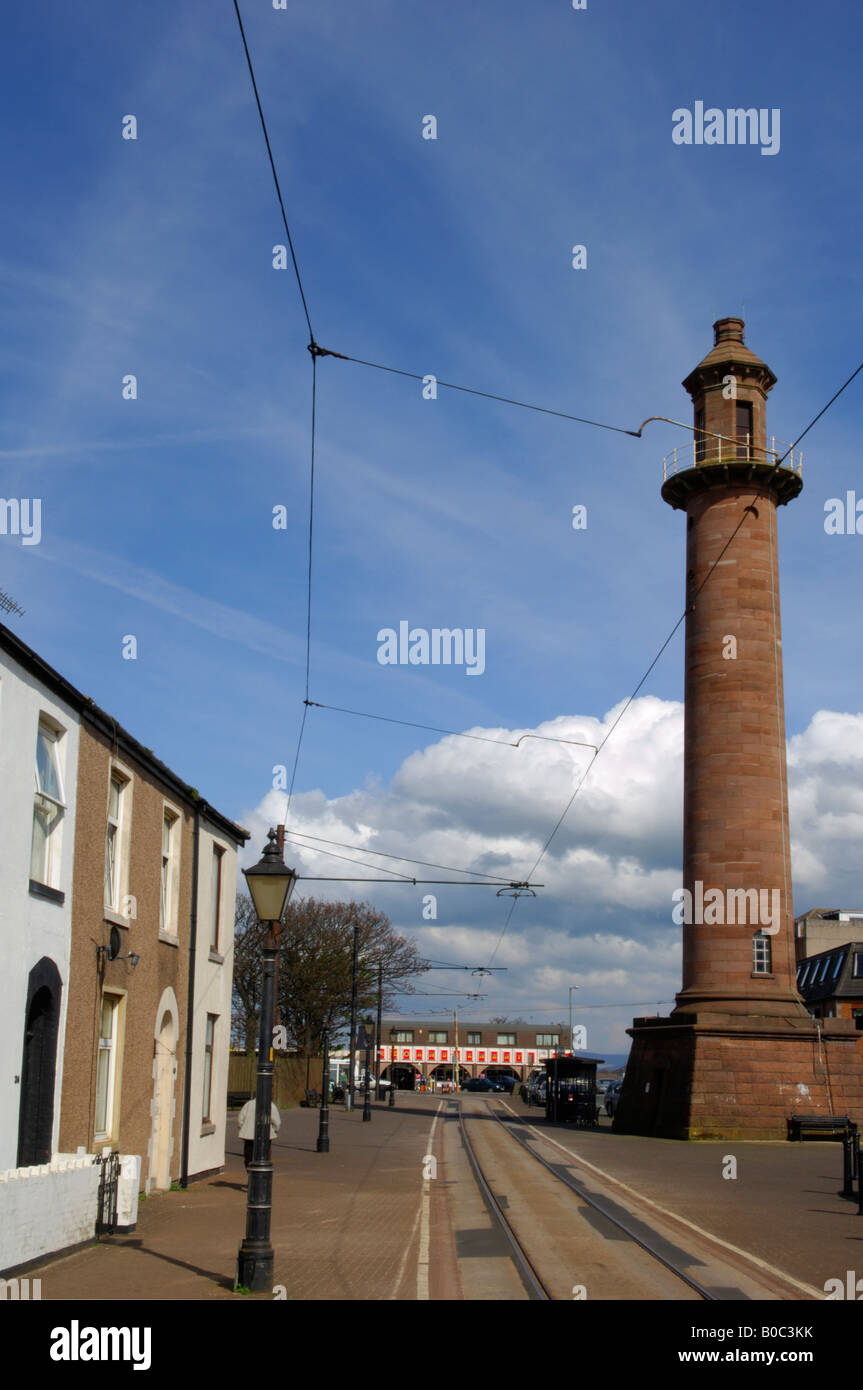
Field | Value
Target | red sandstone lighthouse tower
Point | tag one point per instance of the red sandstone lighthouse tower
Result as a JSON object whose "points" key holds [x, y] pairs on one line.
{"points": [[739, 1054]]}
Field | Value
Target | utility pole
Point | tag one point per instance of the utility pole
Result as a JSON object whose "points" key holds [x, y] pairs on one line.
{"points": [[455, 1060]]}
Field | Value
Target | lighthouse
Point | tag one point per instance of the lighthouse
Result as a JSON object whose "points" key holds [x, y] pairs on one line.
{"points": [[739, 1053]]}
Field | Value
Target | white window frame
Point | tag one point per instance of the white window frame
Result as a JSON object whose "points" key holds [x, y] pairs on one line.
{"points": [[506, 1039], [216, 895], [762, 956], [209, 1054], [169, 877], [122, 823], [112, 1047], [50, 867]]}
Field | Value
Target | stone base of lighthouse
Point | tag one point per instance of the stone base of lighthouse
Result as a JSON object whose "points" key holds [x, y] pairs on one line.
{"points": [[733, 1076]]}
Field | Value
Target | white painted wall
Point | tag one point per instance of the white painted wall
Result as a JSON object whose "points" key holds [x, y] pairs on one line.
{"points": [[46, 1209], [212, 996], [30, 927], [50, 1208]]}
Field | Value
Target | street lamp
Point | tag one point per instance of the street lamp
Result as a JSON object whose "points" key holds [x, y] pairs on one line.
{"points": [[270, 884], [571, 988], [367, 1043], [324, 1125]]}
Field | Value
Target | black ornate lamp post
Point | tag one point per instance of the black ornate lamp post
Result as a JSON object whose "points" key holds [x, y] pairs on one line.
{"points": [[367, 1097], [324, 1126], [270, 885]]}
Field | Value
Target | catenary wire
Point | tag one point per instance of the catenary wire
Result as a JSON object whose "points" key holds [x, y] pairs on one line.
{"points": [[275, 175], [402, 859]]}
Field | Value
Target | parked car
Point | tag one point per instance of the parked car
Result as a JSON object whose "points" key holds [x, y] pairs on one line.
{"points": [[612, 1095], [506, 1083], [480, 1083], [536, 1087]]}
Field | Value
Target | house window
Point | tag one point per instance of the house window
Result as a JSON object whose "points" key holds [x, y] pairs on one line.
{"points": [[474, 1039], [761, 958], [208, 1066], [548, 1039], [743, 428], [840, 961], [115, 848], [48, 807], [506, 1039], [168, 904], [215, 896], [858, 965], [825, 967], [106, 1066], [403, 1035], [437, 1037]]}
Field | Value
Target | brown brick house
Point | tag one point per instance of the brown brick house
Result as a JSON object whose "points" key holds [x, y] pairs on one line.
{"points": [[155, 870]]}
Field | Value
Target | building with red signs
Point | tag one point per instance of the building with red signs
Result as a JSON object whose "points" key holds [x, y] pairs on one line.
{"points": [[411, 1049]]}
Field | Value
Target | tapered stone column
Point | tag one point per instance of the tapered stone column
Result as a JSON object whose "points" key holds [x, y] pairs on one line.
{"points": [[739, 1053]]}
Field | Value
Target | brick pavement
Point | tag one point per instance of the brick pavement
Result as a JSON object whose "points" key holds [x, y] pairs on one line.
{"points": [[345, 1225]]}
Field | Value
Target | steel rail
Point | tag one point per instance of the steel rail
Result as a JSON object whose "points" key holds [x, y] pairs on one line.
{"points": [[530, 1276], [584, 1196]]}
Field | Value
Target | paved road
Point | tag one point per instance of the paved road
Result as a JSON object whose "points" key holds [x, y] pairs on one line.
{"points": [[376, 1219]]}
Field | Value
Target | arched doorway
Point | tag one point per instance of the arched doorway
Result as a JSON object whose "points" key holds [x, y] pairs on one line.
{"points": [[39, 1064], [164, 1075]]}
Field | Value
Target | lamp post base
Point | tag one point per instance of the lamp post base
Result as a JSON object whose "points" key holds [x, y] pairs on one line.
{"points": [[255, 1266]]}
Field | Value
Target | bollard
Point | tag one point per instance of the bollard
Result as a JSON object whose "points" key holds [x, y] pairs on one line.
{"points": [[849, 1144]]}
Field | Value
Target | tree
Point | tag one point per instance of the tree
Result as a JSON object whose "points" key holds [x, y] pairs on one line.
{"points": [[314, 968]]}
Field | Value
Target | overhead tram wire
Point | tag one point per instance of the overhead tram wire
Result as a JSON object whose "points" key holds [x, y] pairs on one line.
{"points": [[313, 346], [402, 859], [275, 175]]}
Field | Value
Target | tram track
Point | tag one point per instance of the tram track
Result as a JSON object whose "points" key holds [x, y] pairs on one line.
{"points": [[574, 1232], [530, 1276]]}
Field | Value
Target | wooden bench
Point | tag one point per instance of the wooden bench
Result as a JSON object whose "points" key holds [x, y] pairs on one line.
{"points": [[312, 1100], [832, 1126], [237, 1099]]}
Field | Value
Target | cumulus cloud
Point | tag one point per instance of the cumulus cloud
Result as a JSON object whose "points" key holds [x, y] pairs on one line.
{"points": [[602, 921]]}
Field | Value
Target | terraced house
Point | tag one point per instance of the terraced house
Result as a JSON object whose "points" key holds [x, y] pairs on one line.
{"points": [[120, 1004]]}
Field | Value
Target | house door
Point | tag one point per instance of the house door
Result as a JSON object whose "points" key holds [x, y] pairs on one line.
{"points": [[163, 1095], [38, 1065]]}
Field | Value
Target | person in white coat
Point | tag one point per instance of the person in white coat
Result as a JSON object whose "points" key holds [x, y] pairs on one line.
{"points": [[247, 1127]]}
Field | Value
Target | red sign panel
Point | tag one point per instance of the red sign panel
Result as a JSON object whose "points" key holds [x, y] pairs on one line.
{"points": [[480, 1056], [506, 1056], [519, 1056], [469, 1056], [494, 1056]]}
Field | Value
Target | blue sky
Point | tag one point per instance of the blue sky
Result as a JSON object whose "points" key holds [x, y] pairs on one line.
{"points": [[451, 257]]}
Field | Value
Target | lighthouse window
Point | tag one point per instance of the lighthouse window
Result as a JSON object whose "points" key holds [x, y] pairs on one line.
{"points": [[761, 954], [700, 440], [743, 429]]}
